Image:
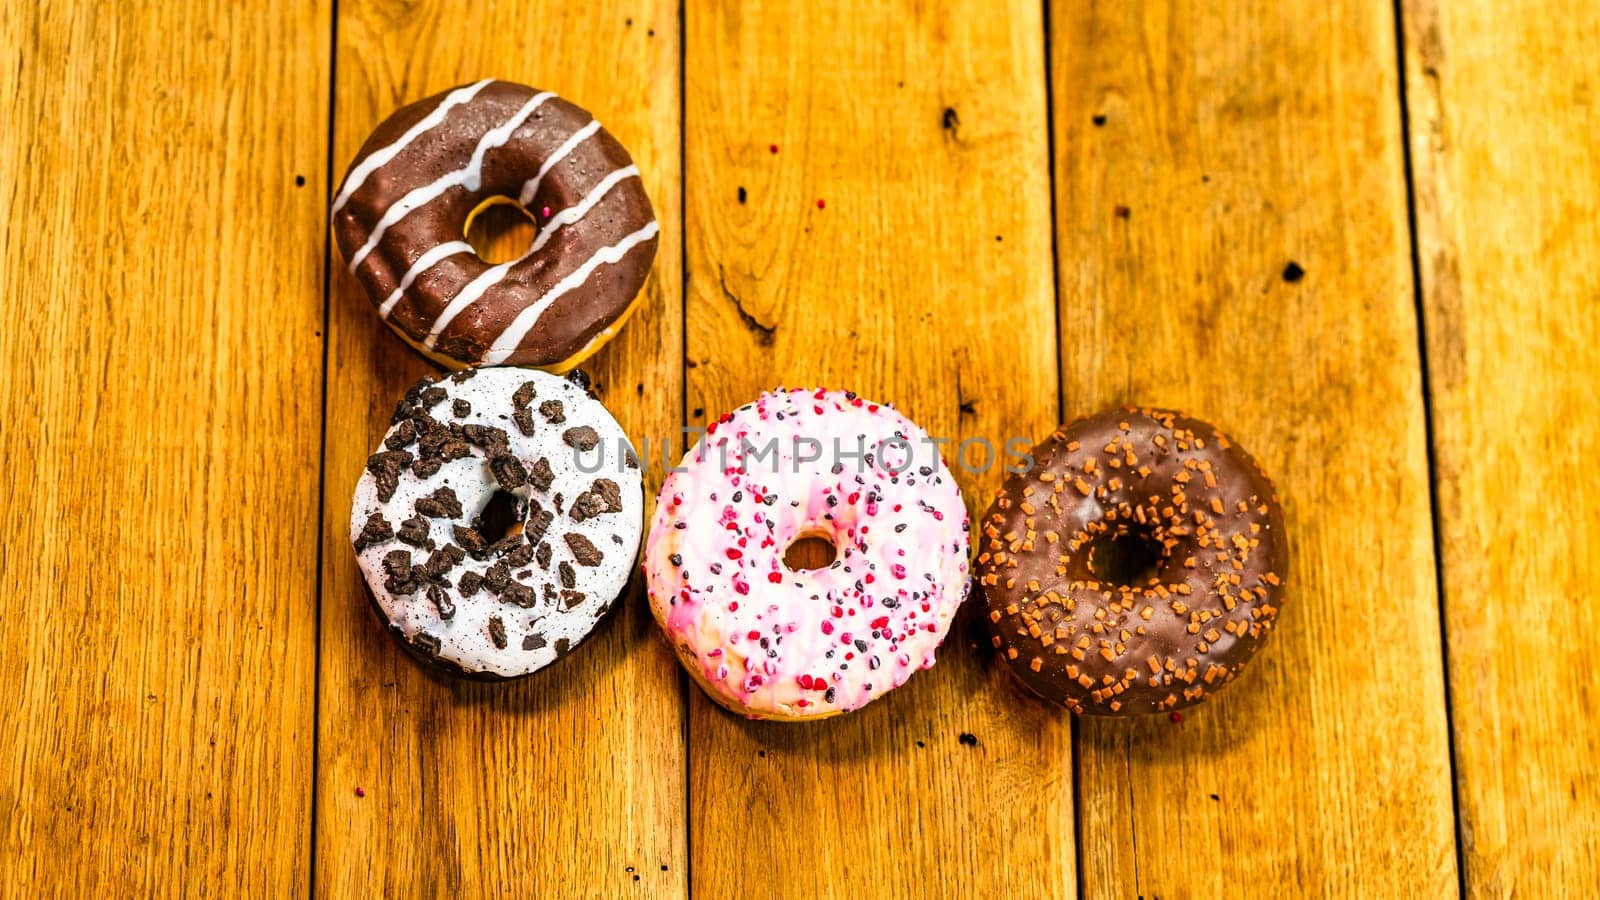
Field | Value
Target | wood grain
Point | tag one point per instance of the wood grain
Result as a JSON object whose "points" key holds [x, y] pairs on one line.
{"points": [[570, 783], [1201, 148], [897, 243], [160, 380], [1504, 112]]}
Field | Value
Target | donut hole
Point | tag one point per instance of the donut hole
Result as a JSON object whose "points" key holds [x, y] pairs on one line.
{"points": [[810, 551], [500, 518], [1126, 559], [500, 230]]}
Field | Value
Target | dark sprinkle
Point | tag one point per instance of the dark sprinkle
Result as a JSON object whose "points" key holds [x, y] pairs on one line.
{"points": [[1292, 273], [968, 739], [1099, 121], [580, 378], [742, 195]]}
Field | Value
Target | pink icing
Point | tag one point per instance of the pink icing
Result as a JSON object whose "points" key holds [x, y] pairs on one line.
{"points": [[776, 641]]}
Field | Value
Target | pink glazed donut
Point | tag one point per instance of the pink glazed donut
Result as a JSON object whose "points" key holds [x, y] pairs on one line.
{"points": [[771, 642]]}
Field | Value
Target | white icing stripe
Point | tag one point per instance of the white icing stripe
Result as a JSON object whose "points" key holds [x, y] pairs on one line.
{"points": [[511, 338], [469, 177], [580, 209], [476, 288], [424, 262], [582, 134], [382, 155]]}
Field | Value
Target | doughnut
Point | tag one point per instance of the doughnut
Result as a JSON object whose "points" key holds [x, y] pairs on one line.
{"points": [[771, 642], [401, 216], [1136, 566], [499, 520]]}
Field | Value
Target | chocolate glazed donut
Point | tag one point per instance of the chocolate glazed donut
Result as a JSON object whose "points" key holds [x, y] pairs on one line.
{"points": [[402, 212], [1136, 567]]}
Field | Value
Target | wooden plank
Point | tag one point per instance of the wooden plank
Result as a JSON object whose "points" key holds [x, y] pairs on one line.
{"points": [[925, 281], [160, 377], [1507, 185], [571, 782], [1200, 149]]}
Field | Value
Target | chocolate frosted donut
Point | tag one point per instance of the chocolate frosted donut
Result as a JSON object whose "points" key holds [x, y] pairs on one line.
{"points": [[1136, 566], [499, 521], [401, 217]]}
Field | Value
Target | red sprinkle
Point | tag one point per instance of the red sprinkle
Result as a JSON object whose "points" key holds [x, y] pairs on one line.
{"points": [[775, 577], [827, 627], [1176, 716], [734, 554], [822, 204], [361, 792], [545, 212], [774, 148], [880, 622]]}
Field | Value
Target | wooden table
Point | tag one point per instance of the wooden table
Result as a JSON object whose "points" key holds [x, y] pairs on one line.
{"points": [[1361, 237]]}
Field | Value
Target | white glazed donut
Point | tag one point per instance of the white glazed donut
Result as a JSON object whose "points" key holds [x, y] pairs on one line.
{"points": [[772, 642], [486, 452]]}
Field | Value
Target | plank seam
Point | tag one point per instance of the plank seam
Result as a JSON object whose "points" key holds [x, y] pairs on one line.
{"points": [[1061, 403], [322, 466], [684, 710], [1418, 306]]}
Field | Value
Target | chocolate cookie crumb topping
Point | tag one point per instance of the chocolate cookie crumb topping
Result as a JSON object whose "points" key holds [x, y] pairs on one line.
{"points": [[584, 552], [524, 395], [402, 436], [496, 577], [432, 397], [441, 602], [441, 504], [469, 539], [542, 476], [553, 411], [524, 420], [539, 524], [414, 531], [460, 408], [497, 632], [601, 498], [519, 594], [376, 531], [582, 438], [508, 471]]}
